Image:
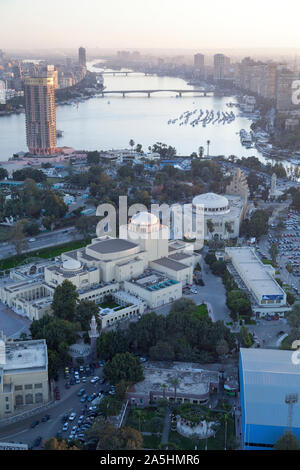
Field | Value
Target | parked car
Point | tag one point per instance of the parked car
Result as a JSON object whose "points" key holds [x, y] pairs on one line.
{"points": [[65, 426], [34, 424], [72, 416], [94, 380], [37, 441], [45, 418]]}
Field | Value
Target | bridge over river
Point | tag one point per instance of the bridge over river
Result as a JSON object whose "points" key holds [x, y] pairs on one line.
{"points": [[178, 92]]}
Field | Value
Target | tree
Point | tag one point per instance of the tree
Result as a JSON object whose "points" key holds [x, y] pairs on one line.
{"points": [[58, 444], [208, 144], [27, 172], [3, 173], [222, 347], [85, 309], [131, 143], [293, 317], [175, 383], [245, 337], [290, 298], [210, 226], [162, 351], [64, 301], [93, 158], [112, 438], [201, 152], [288, 441], [228, 227], [18, 237], [257, 225], [273, 250], [124, 366]]}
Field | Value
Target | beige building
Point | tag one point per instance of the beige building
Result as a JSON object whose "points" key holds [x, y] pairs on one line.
{"points": [[110, 267], [23, 375]]}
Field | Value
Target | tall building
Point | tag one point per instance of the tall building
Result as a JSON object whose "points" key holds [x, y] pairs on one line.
{"points": [[219, 66], [40, 115], [82, 56], [198, 61], [284, 90]]}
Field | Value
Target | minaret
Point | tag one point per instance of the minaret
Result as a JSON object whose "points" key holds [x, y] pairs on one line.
{"points": [[273, 185], [93, 334]]}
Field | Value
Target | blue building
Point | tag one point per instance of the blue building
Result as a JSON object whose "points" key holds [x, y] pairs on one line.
{"points": [[267, 378]]}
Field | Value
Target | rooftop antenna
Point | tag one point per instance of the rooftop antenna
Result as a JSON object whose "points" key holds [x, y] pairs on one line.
{"points": [[291, 399]]}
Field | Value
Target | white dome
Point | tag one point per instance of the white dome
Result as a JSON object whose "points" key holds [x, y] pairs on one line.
{"points": [[212, 202], [71, 265], [144, 218]]}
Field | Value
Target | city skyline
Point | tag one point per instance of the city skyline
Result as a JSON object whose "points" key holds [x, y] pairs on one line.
{"points": [[136, 24]]}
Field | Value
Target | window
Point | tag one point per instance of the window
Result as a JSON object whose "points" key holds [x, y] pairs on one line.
{"points": [[18, 387], [38, 398], [28, 387], [38, 385], [29, 399], [6, 398], [19, 400]]}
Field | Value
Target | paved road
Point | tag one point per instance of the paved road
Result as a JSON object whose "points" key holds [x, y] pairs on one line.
{"points": [[69, 402], [45, 240]]}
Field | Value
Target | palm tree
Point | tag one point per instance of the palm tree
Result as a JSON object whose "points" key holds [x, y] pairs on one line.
{"points": [[228, 227], [164, 386], [210, 226], [200, 152], [138, 414], [208, 144], [131, 143], [175, 382]]}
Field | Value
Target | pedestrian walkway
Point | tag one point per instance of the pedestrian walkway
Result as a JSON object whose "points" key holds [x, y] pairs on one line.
{"points": [[166, 429]]}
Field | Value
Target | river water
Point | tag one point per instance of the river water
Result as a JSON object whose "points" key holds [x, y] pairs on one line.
{"points": [[110, 122]]}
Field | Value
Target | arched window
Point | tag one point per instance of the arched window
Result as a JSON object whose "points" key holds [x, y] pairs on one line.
{"points": [[38, 398], [29, 399], [19, 400]]}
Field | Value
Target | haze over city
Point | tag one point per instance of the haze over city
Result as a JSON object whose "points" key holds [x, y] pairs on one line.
{"points": [[167, 24], [149, 228]]}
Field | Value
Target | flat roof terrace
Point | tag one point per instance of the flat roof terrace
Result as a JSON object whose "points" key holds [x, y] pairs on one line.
{"points": [[254, 271]]}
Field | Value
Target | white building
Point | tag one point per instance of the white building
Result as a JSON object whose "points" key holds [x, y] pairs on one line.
{"points": [[108, 267], [267, 297]]}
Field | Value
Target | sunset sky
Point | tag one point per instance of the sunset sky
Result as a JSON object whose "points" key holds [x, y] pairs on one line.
{"points": [[185, 24]]}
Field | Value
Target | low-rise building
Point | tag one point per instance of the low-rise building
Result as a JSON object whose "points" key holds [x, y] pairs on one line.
{"points": [[23, 375], [193, 384], [266, 295]]}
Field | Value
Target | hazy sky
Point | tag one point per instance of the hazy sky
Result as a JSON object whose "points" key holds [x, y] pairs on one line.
{"points": [[188, 24]]}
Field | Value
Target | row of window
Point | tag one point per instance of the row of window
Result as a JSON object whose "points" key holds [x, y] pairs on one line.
{"points": [[28, 386], [29, 399]]}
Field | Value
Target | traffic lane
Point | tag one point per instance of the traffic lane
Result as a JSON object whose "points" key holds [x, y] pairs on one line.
{"points": [[22, 431]]}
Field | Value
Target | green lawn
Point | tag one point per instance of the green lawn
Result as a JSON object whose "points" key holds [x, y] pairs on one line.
{"points": [[202, 310], [109, 305], [44, 253]]}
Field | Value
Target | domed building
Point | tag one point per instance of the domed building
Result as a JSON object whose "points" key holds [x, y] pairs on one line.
{"points": [[221, 216], [140, 269]]}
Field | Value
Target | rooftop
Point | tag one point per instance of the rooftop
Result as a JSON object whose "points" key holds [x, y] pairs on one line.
{"points": [[111, 245], [24, 355], [191, 380], [170, 264], [268, 376]]}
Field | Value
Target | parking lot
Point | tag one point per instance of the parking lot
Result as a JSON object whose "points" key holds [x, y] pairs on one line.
{"points": [[69, 408], [288, 243]]}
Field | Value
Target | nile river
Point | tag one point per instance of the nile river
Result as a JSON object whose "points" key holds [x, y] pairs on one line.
{"points": [[110, 122]]}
